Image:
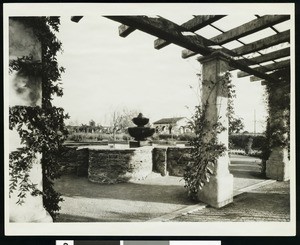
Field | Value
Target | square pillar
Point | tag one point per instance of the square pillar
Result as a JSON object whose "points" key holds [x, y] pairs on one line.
{"points": [[218, 192], [278, 165], [25, 90]]}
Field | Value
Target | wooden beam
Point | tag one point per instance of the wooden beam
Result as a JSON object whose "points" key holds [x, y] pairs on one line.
{"points": [[166, 30], [249, 28], [187, 53], [263, 43], [172, 32], [271, 56], [124, 30], [255, 79], [192, 25], [200, 21], [76, 18], [284, 76], [271, 67]]}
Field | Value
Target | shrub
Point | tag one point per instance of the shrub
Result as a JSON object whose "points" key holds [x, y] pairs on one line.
{"points": [[239, 141]]}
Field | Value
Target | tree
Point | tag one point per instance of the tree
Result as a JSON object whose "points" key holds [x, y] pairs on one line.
{"points": [[121, 120]]}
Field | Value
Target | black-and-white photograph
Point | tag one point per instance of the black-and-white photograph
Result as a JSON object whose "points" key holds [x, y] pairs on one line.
{"points": [[147, 118]]}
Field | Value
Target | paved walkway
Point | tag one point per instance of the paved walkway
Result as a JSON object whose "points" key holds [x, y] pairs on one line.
{"points": [[164, 199]]}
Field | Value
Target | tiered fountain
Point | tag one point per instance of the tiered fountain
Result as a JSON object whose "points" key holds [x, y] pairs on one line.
{"points": [[140, 132]]}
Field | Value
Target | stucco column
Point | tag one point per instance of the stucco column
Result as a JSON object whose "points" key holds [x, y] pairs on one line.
{"points": [[278, 165], [25, 90], [219, 190]]}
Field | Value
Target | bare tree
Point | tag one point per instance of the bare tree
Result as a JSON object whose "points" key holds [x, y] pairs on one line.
{"points": [[121, 120]]}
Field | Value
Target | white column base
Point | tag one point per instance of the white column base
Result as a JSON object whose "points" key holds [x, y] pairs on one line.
{"points": [[218, 192], [278, 165]]}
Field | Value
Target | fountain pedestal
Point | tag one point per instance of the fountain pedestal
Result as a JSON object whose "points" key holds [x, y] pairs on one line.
{"points": [[135, 144], [140, 133]]}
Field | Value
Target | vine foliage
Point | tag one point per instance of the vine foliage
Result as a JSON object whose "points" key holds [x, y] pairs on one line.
{"points": [[277, 132], [41, 128], [205, 146]]}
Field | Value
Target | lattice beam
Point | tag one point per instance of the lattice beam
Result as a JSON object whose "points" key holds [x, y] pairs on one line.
{"points": [[263, 43], [192, 25], [172, 32], [271, 67], [249, 28], [271, 56]]}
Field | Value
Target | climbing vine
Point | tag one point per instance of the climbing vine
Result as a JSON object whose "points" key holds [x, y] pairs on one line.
{"points": [[277, 132], [205, 146], [41, 128]]}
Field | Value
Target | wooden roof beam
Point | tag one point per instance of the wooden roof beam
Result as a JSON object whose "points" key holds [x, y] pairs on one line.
{"points": [[166, 30], [271, 56], [76, 18], [192, 25], [172, 32], [263, 43], [271, 67], [249, 28], [252, 47], [125, 30]]}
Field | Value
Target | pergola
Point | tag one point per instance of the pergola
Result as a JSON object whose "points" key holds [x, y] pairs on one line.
{"points": [[265, 59]]}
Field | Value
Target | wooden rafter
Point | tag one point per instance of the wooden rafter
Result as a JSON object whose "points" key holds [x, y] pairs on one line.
{"points": [[192, 25], [263, 43], [249, 28], [271, 56], [124, 30], [166, 30], [172, 32], [76, 18], [271, 67]]}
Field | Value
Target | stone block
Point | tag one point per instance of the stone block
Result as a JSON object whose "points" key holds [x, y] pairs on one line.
{"points": [[278, 166], [119, 165], [177, 160], [159, 159], [82, 162], [218, 192]]}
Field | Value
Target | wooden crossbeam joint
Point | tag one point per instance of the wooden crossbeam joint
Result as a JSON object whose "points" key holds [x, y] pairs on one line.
{"points": [[191, 25]]}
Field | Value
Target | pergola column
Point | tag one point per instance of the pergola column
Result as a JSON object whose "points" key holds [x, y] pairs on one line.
{"points": [[25, 90], [219, 190], [277, 166]]}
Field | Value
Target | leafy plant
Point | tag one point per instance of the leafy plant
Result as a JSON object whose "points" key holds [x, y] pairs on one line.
{"points": [[205, 146], [41, 128]]}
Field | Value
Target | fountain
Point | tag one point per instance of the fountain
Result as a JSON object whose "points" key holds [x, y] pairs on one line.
{"points": [[140, 132]]}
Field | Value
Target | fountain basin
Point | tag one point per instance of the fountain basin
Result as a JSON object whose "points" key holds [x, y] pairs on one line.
{"points": [[140, 133]]}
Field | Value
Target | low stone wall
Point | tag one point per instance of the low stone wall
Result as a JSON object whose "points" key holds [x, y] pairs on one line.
{"points": [[159, 161], [68, 160], [111, 166], [82, 162], [74, 161], [177, 160], [122, 165]]}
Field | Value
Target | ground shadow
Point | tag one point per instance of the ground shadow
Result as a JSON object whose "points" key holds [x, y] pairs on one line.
{"points": [[73, 186]]}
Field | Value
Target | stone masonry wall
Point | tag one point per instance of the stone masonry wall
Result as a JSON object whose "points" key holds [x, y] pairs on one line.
{"points": [[68, 160], [111, 166], [177, 159], [74, 161], [159, 159], [122, 165], [82, 162]]}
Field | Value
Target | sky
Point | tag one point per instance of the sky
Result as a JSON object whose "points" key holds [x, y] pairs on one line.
{"points": [[107, 73]]}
